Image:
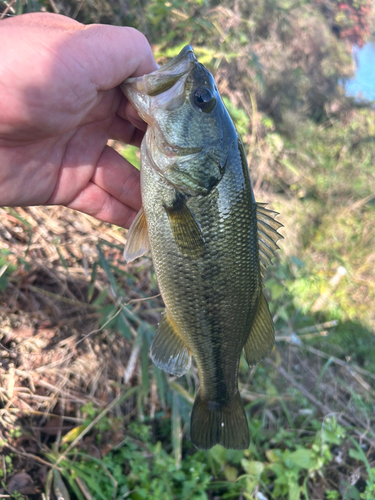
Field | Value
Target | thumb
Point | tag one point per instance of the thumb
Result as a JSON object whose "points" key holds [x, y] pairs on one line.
{"points": [[110, 54]]}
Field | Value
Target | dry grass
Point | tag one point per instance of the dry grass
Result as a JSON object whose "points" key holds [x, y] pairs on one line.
{"points": [[55, 357]]}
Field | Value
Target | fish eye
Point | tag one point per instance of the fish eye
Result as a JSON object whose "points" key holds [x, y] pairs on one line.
{"points": [[204, 99]]}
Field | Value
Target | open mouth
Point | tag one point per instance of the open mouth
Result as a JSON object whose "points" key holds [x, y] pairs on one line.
{"points": [[164, 87]]}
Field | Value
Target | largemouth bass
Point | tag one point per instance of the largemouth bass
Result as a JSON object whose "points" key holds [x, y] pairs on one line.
{"points": [[210, 242]]}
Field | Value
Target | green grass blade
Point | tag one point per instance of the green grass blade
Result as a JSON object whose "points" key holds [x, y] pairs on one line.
{"points": [[69, 477], [361, 456], [145, 367], [176, 428], [59, 487], [107, 270], [90, 291], [160, 384]]}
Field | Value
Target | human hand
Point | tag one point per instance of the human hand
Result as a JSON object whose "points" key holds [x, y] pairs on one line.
{"points": [[60, 103]]}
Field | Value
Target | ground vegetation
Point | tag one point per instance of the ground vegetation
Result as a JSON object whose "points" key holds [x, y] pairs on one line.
{"points": [[83, 412]]}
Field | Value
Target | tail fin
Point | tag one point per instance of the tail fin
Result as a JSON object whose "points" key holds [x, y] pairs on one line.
{"points": [[226, 426]]}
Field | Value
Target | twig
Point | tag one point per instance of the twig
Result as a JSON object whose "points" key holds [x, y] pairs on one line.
{"points": [[9, 7], [99, 329], [50, 415], [132, 360], [28, 455], [91, 425], [339, 362], [55, 296], [54, 7], [324, 408], [142, 299]]}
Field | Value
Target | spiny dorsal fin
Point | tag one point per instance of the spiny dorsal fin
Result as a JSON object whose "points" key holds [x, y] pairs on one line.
{"points": [[168, 350], [267, 234], [137, 243], [262, 335]]}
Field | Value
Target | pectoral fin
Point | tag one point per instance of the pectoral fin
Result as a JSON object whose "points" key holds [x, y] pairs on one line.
{"points": [[262, 334], [186, 230], [137, 238], [168, 350]]}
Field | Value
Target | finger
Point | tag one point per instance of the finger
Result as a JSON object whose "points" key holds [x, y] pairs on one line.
{"points": [[110, 54], [129, 113], [117, 177], [122, 130], [95, 201]]}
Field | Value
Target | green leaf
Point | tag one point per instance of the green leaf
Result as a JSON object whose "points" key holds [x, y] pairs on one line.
{"points": [[252, 467], [301, 458], [12, 211], [145, 367], [59, 487], [176, 428], [106, 313], [123, 326], [160, 384], [63, 261], [3, 283], [73, 434], [359, 455], [91, 288], [297, 262], [294, 491], [273, 455], [106, 268], [230, 473], [290, 165]]}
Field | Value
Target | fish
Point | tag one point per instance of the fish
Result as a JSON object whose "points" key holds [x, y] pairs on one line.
{"points": [[210, 242]]}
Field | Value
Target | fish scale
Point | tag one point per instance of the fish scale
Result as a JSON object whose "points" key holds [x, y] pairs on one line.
{"points": [[209, 240]]}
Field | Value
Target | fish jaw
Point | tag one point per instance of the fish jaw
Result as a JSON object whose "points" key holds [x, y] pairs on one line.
{"points": [[162, 87]]}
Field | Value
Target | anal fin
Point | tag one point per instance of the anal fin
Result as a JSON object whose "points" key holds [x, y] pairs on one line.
{"points": [[168, 350], [137, 238], [262, 335]]}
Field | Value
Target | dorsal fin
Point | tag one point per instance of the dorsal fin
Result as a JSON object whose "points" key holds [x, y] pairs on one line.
{"points": [[267, 234]]}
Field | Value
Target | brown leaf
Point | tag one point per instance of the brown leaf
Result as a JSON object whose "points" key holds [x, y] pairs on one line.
{"points": [[22, 483]]}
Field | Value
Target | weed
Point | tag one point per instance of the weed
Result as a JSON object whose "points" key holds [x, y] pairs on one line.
{"points": [[77, 323]]}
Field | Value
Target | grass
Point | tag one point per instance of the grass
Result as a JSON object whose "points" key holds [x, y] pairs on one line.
{"points": [[84, 414], [82, 402], [81, 398]]}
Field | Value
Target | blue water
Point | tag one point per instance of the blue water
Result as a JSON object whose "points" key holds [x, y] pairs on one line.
{"points": [[362, 86]]}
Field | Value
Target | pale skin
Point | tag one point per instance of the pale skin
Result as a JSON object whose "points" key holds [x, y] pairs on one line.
{"points": [[59, 104]]}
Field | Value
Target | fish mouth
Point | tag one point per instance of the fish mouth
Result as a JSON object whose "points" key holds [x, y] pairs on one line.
{"points": [[173, 69], [186, 54], [163, 87]]}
